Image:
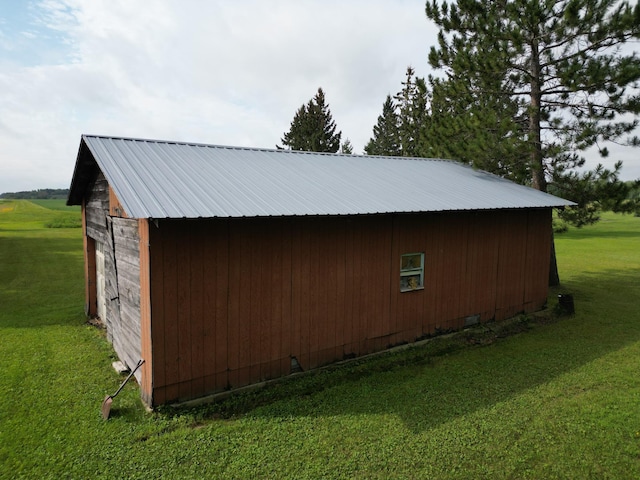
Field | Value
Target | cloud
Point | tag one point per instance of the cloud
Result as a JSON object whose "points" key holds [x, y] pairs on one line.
{"points": [[230, 73], [220, 72]]}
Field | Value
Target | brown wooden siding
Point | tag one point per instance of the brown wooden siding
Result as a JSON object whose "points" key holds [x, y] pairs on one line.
{"points": [[233, 300], [115, 207], [146, 385]]}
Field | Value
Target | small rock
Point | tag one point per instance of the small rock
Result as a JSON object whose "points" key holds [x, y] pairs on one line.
{"points": [[120, 367]]}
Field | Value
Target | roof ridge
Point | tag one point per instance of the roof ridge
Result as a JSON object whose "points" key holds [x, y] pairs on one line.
{"points": [[264, 149]]}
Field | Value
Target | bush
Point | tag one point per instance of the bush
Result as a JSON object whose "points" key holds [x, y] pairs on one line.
{"points": [[559, 226]]}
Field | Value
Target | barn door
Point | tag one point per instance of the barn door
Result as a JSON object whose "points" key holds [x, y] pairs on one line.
{"points": [[100, 282]]}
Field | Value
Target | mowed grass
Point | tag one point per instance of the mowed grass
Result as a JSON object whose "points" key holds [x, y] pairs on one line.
{"points": [[56, 204], [559, 400]]}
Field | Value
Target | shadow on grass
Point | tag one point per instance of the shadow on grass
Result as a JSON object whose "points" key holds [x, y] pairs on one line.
{"points": [[453, 376], [130, 414]]}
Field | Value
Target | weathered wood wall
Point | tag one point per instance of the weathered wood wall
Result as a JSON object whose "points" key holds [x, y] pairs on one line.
{"points": [[120, 242], [233, 300], [97, 209], [125, 304]]}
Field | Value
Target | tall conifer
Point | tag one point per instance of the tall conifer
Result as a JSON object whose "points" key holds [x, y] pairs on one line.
{"points": [[412, 102], [385, 140], [560, 61], [313, 128]]}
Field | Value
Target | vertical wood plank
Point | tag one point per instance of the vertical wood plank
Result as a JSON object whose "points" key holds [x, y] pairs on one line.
{"points": [[146, 384], [340, 287], [305, 316], [184, 320], [255, 250], [209, 250], [158, 309], [276, 285], [472, 266], [359, 315], [287, 299], [236, 281], [313, 292], [536, 268], [170, 300], [115, 207], [387, 325], [296, 289], [200, 334], [224, 336], [395, 317], [349, 290]]}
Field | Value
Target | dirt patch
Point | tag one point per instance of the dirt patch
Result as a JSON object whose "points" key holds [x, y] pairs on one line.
{"points": [[96, 322]]}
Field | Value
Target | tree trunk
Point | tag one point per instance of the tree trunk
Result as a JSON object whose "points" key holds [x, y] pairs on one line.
{"points": [[538, 180], [535, 132]]}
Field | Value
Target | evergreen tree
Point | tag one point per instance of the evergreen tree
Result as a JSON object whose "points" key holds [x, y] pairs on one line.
{"points": [[398, 131], [346, 148], [412, 103], [559, 61], [594, 191], [476, 126], [313, 128], [385, 140]]}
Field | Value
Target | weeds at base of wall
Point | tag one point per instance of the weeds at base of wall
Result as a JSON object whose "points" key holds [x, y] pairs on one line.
{"points": [[235, 403], [97, 323]]}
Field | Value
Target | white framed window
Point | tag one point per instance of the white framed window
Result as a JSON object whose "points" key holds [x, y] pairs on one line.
{"points": [[411, 272]]}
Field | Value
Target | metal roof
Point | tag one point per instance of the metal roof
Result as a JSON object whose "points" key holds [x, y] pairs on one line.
{"points": [[162, 179]]}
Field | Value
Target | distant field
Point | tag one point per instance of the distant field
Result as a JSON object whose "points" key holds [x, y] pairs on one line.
{"points": [[561, 399], [60, 204]]}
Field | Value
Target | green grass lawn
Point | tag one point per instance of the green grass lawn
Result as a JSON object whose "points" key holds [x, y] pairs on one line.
{"points": [[559, 400]]}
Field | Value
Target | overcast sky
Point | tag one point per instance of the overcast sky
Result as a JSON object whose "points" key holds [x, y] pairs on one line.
{"points": [[220, 72]]}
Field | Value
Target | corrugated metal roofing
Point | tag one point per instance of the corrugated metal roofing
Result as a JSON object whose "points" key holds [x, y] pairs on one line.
{"points": [[160, 179]]}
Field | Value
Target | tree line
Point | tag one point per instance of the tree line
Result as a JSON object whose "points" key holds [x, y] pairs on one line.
{"points": [[522, 88], [39, 194]]}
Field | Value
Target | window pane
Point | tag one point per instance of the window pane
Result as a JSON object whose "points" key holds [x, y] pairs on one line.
{"points": [[411, 261], [410, 282], [411, 271]]}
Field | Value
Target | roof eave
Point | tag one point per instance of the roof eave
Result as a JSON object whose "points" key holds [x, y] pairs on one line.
{"points": [[83, 173]]}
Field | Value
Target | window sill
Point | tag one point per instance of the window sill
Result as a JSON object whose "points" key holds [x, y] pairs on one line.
{"points": [[404, 290]]}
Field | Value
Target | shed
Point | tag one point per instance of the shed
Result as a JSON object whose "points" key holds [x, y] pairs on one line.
{"points": [[222, 267]]}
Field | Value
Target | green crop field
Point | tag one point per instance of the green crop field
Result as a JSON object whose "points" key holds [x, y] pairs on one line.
{"points": [[58, 204], [558, 397]]}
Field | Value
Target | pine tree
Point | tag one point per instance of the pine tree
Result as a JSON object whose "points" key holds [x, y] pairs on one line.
{"points": [[411, 103], [594, 191], [346, 148], [559, 61], [385, 140], [398, 131], [313, 128], [473, 125]]}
